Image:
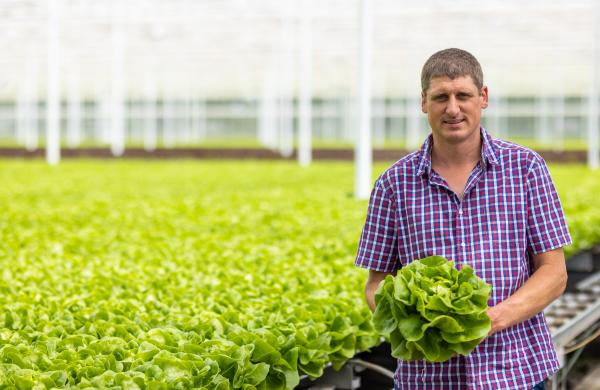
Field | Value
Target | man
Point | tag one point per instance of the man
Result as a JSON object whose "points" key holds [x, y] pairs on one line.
{"points": [[475, 200]]}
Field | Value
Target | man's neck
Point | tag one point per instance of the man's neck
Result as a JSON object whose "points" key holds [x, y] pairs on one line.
{"points": [[464, 154]]}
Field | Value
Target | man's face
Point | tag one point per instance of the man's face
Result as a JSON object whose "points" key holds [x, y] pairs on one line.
{"points": [[453, 108]]}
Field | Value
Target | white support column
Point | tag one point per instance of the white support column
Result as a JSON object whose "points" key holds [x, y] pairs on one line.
{"points": [[559, 121], [593, 156], [305, 87], [199, 119], [543, 119], [496, 111], [261, 116], [150, 110], [286, 102], [117, 137], [413, 122], [379, 108], [187, 116], [267, 126], [32, 132], [168, 114], [379, 122], [53, 86], [103, 125], [349, 130], [74, 108], [21, 111], [186, 122], [178, 129], [363, 154]]}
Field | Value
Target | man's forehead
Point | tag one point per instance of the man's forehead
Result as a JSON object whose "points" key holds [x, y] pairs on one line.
{"points": [[443, 83]]}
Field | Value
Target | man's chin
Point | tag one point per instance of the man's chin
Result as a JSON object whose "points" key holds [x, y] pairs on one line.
{"points": [[456, 135]]}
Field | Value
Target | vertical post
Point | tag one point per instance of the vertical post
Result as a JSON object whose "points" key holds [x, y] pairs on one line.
{"points": [[348, 108], [559, 120], [74, 109], [286, 101], [543, 120], [117, 138], [496, 112], [413, 122], [189, 118], [32, 135], [592, 134], [103, 105], [379, 122], [199, 119], [150, 110], [305, 106], [380, 109], [53, 89], [267, 129], [168, 116], [21, 111], [362, 145]]}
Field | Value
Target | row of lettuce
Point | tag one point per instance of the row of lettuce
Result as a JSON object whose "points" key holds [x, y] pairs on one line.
{"points": [[157, 275]]}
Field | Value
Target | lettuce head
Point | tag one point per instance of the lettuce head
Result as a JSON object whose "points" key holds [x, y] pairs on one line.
{"points": [[430, 310]]}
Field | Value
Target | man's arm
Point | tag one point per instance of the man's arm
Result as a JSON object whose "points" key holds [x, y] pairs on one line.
{"points": [[375, 277], [547, 283]]}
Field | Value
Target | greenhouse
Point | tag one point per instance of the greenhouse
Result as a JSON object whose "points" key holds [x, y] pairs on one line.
{"points": [[226, 194]]}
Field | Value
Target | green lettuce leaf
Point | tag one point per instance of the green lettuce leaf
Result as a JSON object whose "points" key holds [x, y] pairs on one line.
{"points": [[430, 310]]}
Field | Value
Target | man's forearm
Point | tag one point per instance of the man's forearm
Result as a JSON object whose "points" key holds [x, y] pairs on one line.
{"points": [[545, 285], [375, 278], [370, 295]]}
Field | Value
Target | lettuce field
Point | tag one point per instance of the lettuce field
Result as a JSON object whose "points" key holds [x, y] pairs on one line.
{"points": [[187, 274]]}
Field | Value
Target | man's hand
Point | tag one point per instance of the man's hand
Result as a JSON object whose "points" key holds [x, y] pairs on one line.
{"points": [[498, 321], [547, 283], [375, 277]]}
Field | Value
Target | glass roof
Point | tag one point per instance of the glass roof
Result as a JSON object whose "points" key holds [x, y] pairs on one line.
{"points": [[233, 48]]}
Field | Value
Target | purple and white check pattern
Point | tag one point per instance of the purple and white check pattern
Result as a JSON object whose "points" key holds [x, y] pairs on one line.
{"points": [[509, 211]]}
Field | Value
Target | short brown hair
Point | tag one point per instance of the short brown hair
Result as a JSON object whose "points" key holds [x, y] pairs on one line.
{"points": [[451, 63]]}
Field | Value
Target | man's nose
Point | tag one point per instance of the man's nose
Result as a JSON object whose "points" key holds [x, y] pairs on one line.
{"points": [[452, 107]]}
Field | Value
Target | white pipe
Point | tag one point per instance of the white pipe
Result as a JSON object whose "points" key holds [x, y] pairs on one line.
{"points": [[380, 109], [168, 130], [74, 109], [103, 128], [150, 110], [199, 119], [32, 134], [413, 123], [559, 120], [362, 146], [543, 119], [593, 156], [117, 93], [21, 111], [348, 107], [379, 122], [286, 103], [305, 105], [53, 89]]}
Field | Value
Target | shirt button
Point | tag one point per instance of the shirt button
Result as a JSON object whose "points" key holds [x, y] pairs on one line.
{"points": [[460, 211], [462, 243]]}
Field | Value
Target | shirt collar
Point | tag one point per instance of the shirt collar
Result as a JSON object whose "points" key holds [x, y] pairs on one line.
{"points": [[488, 153]]}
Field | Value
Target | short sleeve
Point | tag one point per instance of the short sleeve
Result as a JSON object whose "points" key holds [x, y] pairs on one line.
{"points": [[546, 225], [377, 249]]}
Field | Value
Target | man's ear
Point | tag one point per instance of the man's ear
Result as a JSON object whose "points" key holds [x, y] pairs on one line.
{"points": [[423, 102], [484, 96]]}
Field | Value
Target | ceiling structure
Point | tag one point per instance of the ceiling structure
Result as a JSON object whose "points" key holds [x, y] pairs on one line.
{"points": [[234, 48]]}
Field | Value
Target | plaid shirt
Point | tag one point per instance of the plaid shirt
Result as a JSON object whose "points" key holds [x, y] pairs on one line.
{"points": [[509, 211]]}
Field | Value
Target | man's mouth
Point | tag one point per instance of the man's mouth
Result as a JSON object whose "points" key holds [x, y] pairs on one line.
{"points": [[453, 121]]}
